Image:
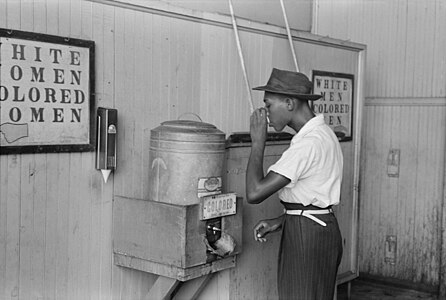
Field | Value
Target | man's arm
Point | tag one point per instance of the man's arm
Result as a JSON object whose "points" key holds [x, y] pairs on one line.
{"points": [[258, 186]]}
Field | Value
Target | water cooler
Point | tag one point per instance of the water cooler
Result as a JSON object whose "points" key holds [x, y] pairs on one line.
{"points": [[188, 227]]}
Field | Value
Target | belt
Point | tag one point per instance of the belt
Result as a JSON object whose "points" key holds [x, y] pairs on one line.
{"points": [[310, 214]]}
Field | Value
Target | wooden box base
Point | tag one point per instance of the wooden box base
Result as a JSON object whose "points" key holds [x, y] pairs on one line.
{"points": [[169, 239]]}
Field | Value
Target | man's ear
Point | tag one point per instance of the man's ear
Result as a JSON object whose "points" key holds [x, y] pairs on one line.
{"points": [[290, 103]]}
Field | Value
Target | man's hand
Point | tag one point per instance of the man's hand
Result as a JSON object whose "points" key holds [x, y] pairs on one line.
{"points": [[259, 126], [266, 226]]}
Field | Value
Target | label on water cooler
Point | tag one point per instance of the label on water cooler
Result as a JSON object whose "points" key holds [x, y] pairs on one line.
{"points": [[217, 206], [209, 186]]}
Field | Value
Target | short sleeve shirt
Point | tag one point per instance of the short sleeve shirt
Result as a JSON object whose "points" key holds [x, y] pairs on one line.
{"points": [[313, 163]]}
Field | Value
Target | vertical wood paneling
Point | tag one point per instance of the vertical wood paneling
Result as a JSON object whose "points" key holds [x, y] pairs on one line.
{"points": [[403, 38], [439, 76], [405, 59], [39, 197], [411, 69], [50, 206], [120, 95], [163, 67], [25, 220], [138, 56], [101, 198], [124, 73], [388, 213], [396, 62], [26, 15], [52, 174], [12, 222], [72, 229], [405, 212], [146, 114], [62, 219], [39, 15], [63, 17], [13, 14], [159, 80], [367, 189], [430, 162], [55, 209], [78, 12], [160, 45], [99, 271], [407, 206], [427, 37], [52, 18], [136, 81], [3, 218], [3, 13]]}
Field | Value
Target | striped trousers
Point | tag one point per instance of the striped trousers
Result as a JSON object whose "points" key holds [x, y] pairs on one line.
{"points": [[309, 257]]}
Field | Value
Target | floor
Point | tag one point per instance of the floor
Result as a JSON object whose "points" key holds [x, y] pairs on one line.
{"points": [[363, 290]]}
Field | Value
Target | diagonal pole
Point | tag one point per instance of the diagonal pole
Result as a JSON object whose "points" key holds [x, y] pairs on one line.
{"points": [[240, 53], [290, 38]]}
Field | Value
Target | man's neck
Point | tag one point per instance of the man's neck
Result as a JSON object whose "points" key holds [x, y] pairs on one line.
{"points": [[301, 118]]}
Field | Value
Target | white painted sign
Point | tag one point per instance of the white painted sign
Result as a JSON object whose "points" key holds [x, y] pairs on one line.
{"points": [[44, 93], [336, 102]]}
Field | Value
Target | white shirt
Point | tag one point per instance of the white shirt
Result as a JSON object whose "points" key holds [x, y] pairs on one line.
{"points": [[313, 163]]}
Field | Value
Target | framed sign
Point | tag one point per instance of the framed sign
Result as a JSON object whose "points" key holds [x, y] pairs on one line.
{"points": [[337, 101], [46, 93]]}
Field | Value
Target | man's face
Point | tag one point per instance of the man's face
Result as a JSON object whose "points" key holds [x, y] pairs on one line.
{"points": [[277, 109]]}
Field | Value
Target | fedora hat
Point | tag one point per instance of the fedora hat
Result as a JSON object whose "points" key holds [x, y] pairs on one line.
{"points": [[289, 83]]}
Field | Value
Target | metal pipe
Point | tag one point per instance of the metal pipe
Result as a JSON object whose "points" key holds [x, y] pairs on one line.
{"points": [[240, 53], [290, 38]]}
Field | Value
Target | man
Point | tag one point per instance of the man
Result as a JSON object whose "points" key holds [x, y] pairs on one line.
{"points": [[307, 178]]}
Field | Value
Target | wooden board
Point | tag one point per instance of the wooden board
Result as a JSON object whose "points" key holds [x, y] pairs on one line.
{"points": [[166, 239], [182, 274]]}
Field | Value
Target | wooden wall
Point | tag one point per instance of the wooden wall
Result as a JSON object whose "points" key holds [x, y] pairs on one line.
{"points": [[264, 11], [152, 64], [408, 206], [405, 109]]}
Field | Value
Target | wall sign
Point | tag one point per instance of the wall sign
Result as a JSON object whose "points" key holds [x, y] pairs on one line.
{"points": [[337, 101], [46, 93]]}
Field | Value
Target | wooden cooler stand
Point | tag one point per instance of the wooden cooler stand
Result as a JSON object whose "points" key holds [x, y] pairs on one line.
{"points": [[168, 240]]}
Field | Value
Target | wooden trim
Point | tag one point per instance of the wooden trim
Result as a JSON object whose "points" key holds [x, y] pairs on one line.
{"points": [[181, 274], [357, 159], [398, 101], [165, 9]]}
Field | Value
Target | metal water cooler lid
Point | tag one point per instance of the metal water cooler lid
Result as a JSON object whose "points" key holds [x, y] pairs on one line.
{"points": [[179, 129]]}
